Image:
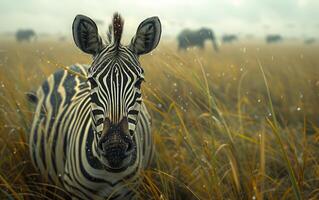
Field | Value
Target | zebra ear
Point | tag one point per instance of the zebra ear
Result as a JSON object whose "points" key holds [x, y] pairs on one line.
{"points": [[85, 35], [147, 36]]}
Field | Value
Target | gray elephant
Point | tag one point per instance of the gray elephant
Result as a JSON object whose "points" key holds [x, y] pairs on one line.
{"points": [[25, 35], [274, 38], [229, 38], [189, 38], [309, 40]]}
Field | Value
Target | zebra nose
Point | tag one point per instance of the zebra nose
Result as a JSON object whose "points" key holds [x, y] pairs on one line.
{"points": [[116, 137], [115, 143]]}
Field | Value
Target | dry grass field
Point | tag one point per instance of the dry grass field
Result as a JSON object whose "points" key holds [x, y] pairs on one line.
{"points": [[239, 124]]}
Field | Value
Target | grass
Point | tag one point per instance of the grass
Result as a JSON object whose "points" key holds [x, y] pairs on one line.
{"points": [[239, 124]]}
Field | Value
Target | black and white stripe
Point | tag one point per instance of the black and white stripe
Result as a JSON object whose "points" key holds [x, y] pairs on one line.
{"points": [[71, 113]]}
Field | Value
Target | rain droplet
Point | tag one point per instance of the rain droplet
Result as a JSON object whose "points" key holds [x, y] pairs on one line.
{"points": [[298, 108]]}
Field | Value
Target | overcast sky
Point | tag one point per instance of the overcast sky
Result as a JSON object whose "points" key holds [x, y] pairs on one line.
{"points": [[257, 17]]}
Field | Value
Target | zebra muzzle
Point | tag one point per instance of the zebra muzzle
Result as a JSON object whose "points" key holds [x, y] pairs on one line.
{"points": [[117, 152], [116, 145]]}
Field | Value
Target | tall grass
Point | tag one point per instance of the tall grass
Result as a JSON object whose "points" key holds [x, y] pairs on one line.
{"points": [[224, 127]]}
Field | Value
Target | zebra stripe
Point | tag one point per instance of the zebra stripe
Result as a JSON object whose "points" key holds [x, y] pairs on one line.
{"points": [[93, 137], [61, 140]]}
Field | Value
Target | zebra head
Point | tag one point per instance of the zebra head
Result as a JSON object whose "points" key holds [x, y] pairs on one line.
{"points": [[115, 77]]}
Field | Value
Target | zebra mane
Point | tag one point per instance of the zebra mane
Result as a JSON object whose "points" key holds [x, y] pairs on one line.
{"points": [[117, 25]]}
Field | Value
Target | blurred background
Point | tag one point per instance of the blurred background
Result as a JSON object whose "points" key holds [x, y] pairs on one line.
{"points": [[296, 20], [238, 119]]}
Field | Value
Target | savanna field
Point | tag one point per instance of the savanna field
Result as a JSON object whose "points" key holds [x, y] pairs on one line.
{"points": [[239, 124]]}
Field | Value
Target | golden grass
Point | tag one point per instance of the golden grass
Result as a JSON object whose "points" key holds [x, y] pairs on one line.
{"points": [[240, 124]]}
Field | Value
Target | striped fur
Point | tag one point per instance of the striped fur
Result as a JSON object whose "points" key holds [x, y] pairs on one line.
{"points": [[93, 136], [61, 140]]}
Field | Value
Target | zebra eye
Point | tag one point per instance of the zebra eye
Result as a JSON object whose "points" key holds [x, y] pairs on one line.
{"points": [[92, 82], [138, 83]]}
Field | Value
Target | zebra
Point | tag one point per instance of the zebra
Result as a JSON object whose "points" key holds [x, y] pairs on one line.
{"points": [[92, 136]]}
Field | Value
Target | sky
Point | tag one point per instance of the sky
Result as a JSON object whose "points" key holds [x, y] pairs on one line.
{"points": [[293, 18]]}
